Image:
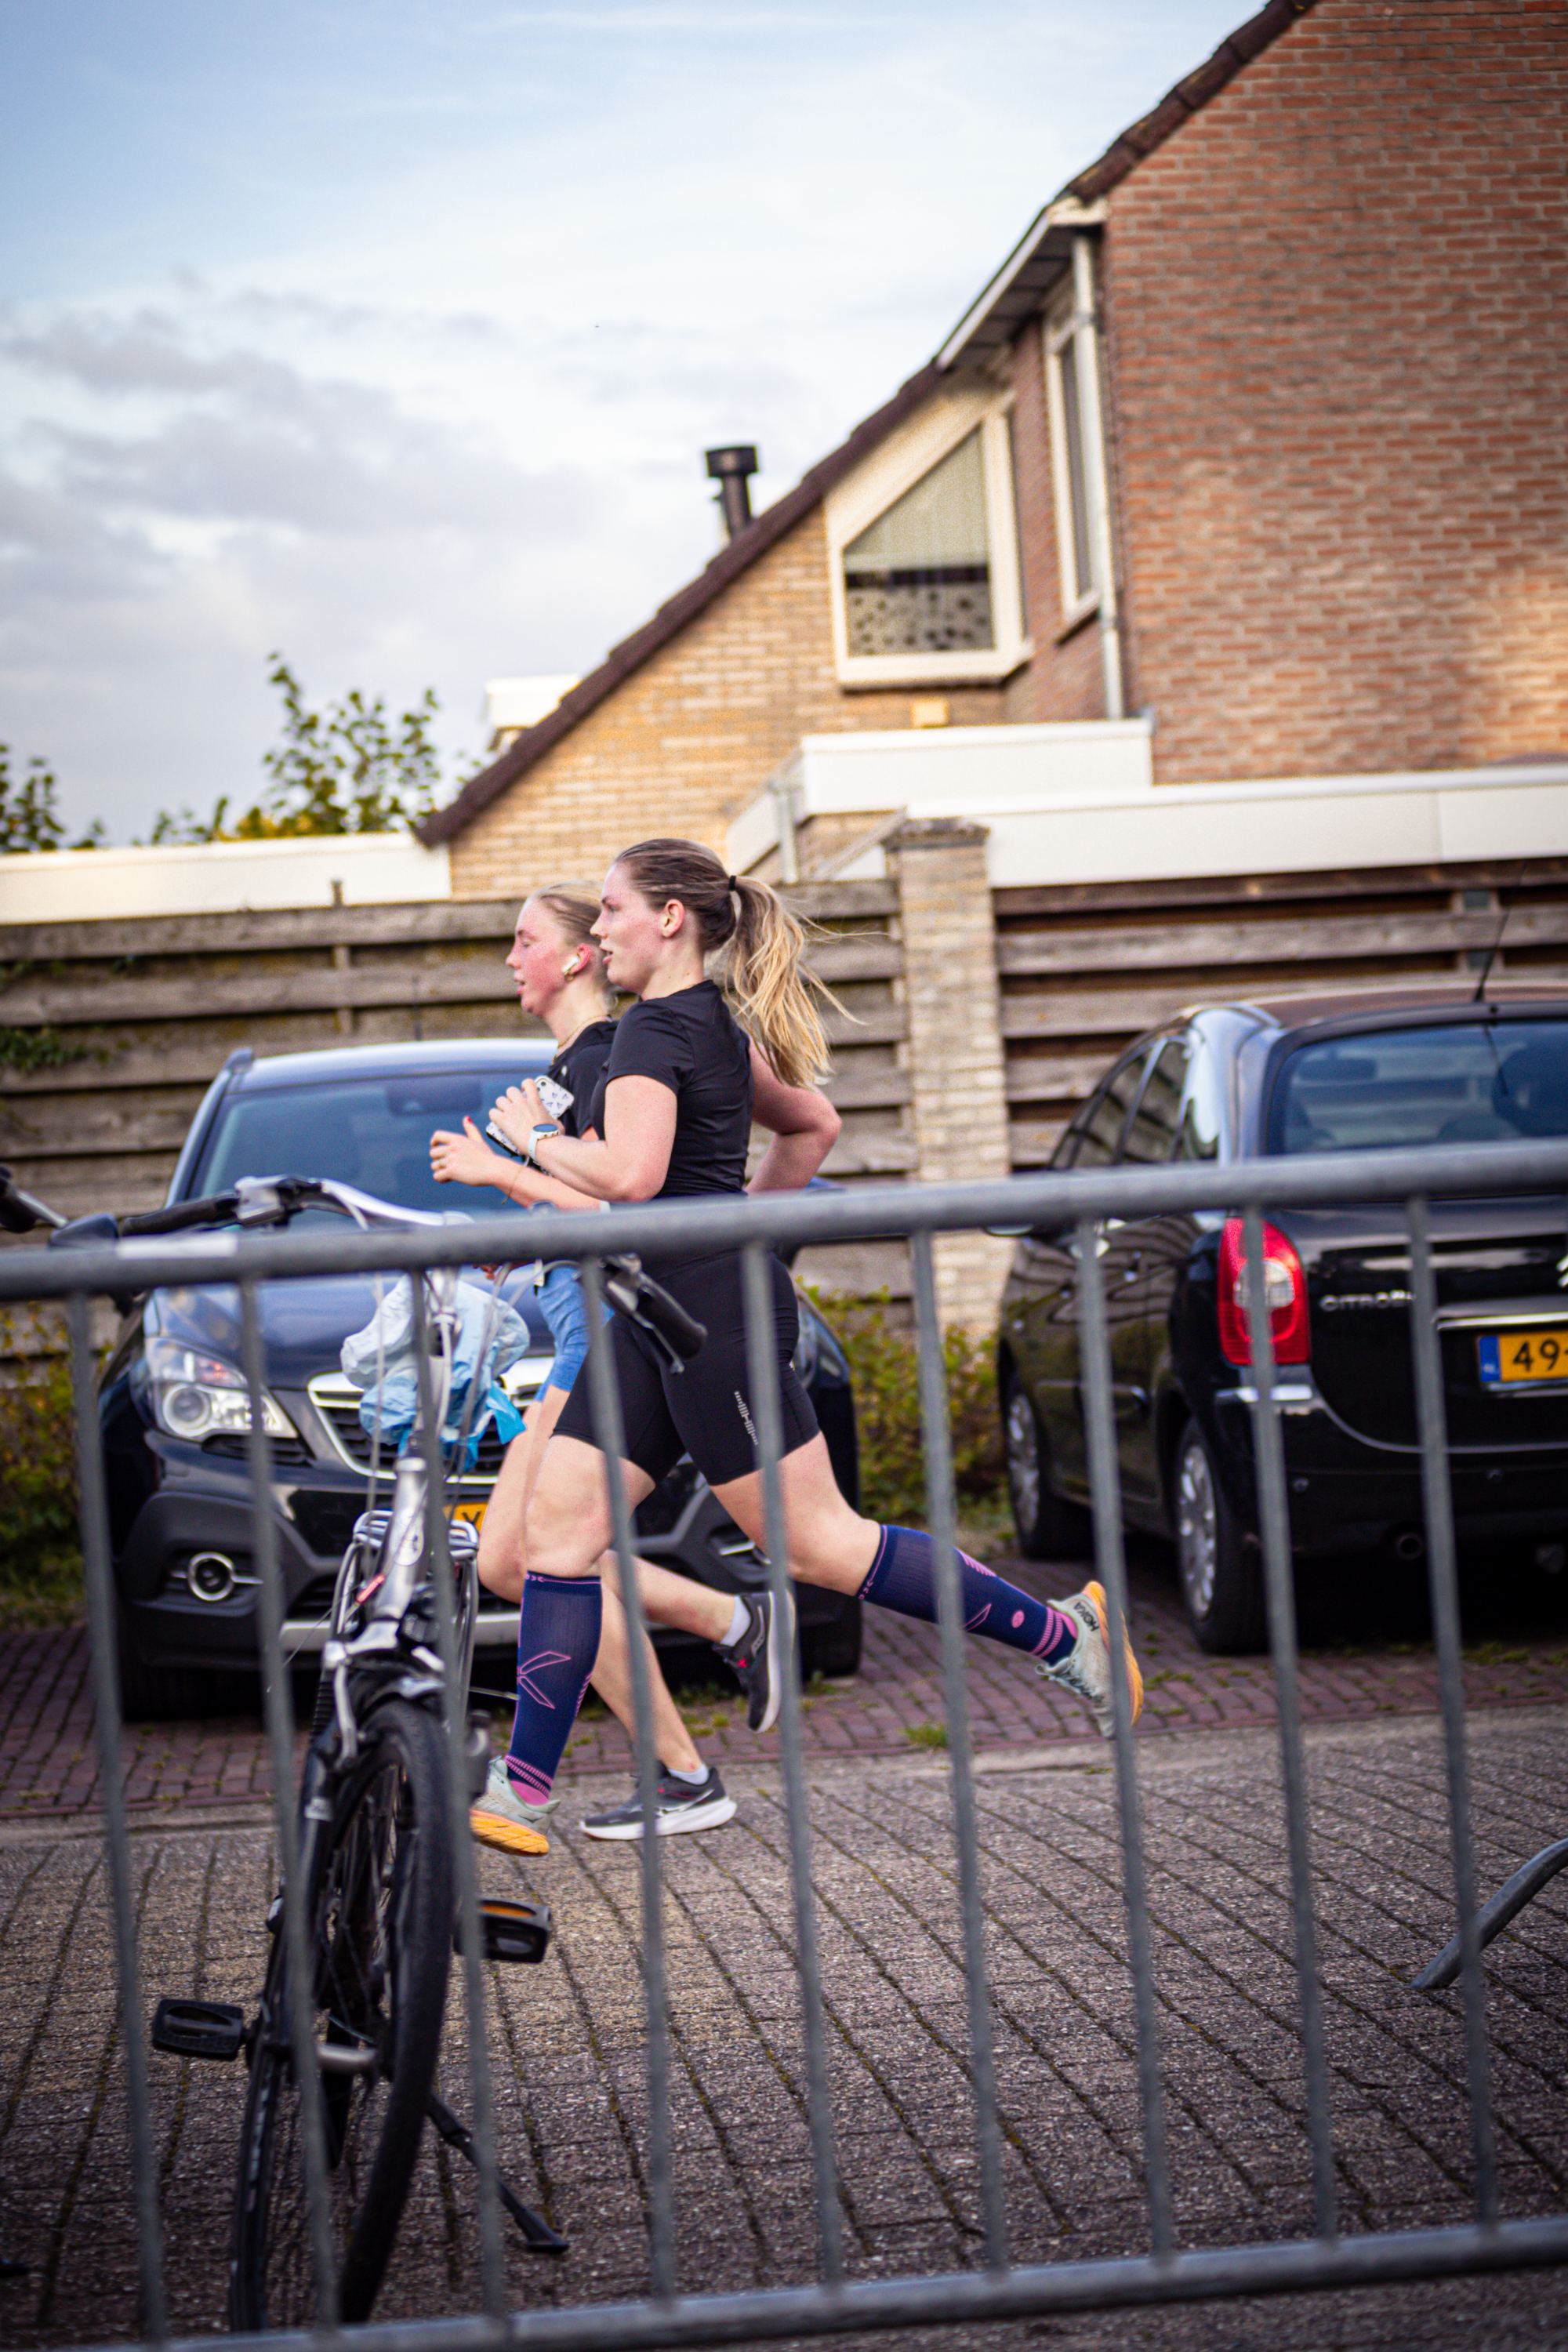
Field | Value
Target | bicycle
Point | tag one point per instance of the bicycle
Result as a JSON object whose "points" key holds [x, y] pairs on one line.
{"points": [[375, 1853]]}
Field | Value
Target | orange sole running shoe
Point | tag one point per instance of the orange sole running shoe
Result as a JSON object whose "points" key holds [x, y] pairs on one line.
{"points": [[1085, 1669], [506, 1820]]}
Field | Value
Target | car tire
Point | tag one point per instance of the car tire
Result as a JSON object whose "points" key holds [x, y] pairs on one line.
{"points": [[160, 1694], [1047, 1527], [833, 1649], [1221, 1575]]}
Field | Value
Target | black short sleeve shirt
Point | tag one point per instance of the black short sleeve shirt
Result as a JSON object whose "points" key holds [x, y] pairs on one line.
{"points": [[692, 1044], [579, 1068]]}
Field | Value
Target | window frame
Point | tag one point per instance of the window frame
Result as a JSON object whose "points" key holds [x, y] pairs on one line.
{"points": [[1067, 341], [904, 459]]}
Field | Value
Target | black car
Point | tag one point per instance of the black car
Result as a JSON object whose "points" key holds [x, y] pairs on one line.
{"points": [[1352, 1071], [173, 1413]]}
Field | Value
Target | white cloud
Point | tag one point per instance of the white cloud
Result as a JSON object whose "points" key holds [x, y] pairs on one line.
{"points": [[392, 335]]}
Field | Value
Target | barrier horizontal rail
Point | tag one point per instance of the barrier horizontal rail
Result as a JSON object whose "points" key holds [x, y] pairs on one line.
{"points": [[834, 2304], [865, 1211]]}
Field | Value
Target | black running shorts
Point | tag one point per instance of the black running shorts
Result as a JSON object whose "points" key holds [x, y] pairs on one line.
{"points": [[705, 1410]]}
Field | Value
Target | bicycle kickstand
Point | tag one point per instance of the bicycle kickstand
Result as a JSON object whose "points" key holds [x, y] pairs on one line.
{"points": [[535, 2229]]}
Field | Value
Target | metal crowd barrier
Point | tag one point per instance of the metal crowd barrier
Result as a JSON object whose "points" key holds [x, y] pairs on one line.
{"points": [[997, 2290]]}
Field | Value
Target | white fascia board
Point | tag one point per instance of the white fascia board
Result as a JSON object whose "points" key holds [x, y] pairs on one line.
{"points": [[222, 878], [1284, 825], [971, 770]]}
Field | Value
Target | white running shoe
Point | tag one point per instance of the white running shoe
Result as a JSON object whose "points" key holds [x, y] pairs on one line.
{"points": [[502, 1819], [1085, 1669]]}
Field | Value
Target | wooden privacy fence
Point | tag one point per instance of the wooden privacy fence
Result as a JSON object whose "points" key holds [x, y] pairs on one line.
{"points": [[111, 1030], [1086, 967]]}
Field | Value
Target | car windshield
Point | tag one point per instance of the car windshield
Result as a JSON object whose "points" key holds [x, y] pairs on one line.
{"points": [[1459, 1082], [372, 1132]]}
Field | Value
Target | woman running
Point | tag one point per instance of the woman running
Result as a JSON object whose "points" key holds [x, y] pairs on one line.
{"points": [[672, 1114], [561, 980]]}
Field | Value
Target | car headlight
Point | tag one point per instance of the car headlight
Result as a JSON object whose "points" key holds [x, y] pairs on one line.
{"points": [[197, 1395]]}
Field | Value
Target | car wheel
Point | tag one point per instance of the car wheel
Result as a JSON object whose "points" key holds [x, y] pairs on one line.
{"points": [[1221, 1576], [833, 1649], [1047, 1527]]}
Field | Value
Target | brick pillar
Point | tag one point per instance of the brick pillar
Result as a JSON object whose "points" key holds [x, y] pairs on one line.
{"points": [[959, 1100]]}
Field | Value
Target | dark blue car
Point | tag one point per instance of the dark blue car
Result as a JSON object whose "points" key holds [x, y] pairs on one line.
{"points": [[173, 1412]]}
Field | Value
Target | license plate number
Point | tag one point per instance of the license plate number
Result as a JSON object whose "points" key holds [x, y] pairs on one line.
{"points": [[1510, 1356], [473, 1512]]}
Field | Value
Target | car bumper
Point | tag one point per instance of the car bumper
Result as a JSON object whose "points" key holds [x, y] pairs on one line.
{"points": [[1345, 1496]]}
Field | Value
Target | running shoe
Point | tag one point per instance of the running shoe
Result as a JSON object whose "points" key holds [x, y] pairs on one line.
{"points": [[680, 1807], [1086, 1668], [756, 1660], [503, 1819]]}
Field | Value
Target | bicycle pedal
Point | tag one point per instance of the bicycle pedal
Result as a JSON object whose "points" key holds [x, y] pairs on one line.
{"points": [[199, 2028], [513, 1931]]}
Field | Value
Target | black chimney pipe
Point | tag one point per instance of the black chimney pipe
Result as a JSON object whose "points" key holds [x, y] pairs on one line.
{"points": [[731, 469]]}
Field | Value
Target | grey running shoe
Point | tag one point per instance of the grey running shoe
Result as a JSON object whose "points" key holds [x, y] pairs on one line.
{"points": [[502, 1819], [756, 1660], [680, 1807], [1086, 1668]]}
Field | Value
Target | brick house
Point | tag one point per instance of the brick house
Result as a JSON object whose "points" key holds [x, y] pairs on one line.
{"points": [[1247, 464]]}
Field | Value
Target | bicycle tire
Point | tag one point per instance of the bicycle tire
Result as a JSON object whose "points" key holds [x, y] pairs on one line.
{"points": [[381, 1904]]}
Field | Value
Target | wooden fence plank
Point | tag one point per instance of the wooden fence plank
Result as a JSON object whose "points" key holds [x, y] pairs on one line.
{"points": [[1227, 889], [1440, 937]]}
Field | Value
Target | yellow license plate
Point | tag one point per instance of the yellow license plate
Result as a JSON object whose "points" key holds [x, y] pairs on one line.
{"points": [[1538, 1355], [473, 1512]]}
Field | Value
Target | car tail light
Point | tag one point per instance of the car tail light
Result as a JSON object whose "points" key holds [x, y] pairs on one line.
{"points": [[1284, 1288]]}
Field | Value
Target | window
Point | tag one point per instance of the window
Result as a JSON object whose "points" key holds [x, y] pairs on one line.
{"points": [[919, 582], [1460, 1081], [1107, 1116], [923, 550], [1152, 1133], [1070, 369], [1202, 1111]]}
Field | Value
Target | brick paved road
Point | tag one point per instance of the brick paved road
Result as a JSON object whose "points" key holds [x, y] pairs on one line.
{"points": [[1518, 1657], [566, 2039]]}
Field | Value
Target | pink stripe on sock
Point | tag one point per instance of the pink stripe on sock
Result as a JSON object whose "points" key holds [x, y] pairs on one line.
{"points": [[531, 1785], [1055, 1626]]}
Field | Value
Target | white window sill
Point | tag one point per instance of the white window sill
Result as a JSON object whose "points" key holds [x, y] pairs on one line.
{"points": [[935, 669], [1072, 621]]}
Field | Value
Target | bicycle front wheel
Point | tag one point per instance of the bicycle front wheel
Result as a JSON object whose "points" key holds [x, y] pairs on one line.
{"points": [[382, 1902]]}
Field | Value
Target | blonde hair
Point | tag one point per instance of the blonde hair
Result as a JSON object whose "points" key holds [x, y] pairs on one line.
{"points": [[575, 907], [762, 972]]}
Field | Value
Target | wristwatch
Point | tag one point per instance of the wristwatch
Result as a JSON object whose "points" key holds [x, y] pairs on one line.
{"points": [[541, 1134]]}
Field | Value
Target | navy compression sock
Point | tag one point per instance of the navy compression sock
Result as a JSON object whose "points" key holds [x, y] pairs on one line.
{"points": [[557, 1642], [903, 1578]]}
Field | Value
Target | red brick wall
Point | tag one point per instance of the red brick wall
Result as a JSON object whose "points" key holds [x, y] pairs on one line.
{"points": [[1062, 681], [1339, 349]]}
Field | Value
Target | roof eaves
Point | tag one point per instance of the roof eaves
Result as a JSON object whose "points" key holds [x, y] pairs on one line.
{"points": [[673, 615]]}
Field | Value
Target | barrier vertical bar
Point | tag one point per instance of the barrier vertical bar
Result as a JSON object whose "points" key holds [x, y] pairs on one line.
{"points": [[606, 1400], [1432, 1426], [762, 1373], [1109, 1558], [940, 1516], [300, 1974], [123, 1908], [493, 2266], [1279, 1592]]}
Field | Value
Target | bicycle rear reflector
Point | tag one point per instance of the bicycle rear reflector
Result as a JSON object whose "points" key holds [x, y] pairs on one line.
{"points": [[198, 2029], [514, 1931]]}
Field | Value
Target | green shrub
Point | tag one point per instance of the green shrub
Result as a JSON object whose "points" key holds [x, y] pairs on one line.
{"points": [[40, 1555], [884, 1371]]}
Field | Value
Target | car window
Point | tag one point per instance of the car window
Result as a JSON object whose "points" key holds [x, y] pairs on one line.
{"points": [[1107, 1115], [1153, 1131], [1452, 1082], [1202, 1105], [372, 1132]]}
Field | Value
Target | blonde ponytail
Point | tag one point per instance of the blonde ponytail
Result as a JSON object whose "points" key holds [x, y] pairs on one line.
{"points": [[773, 995]]}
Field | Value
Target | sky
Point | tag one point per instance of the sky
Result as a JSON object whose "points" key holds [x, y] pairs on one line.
{"points": [[389, 334]]}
